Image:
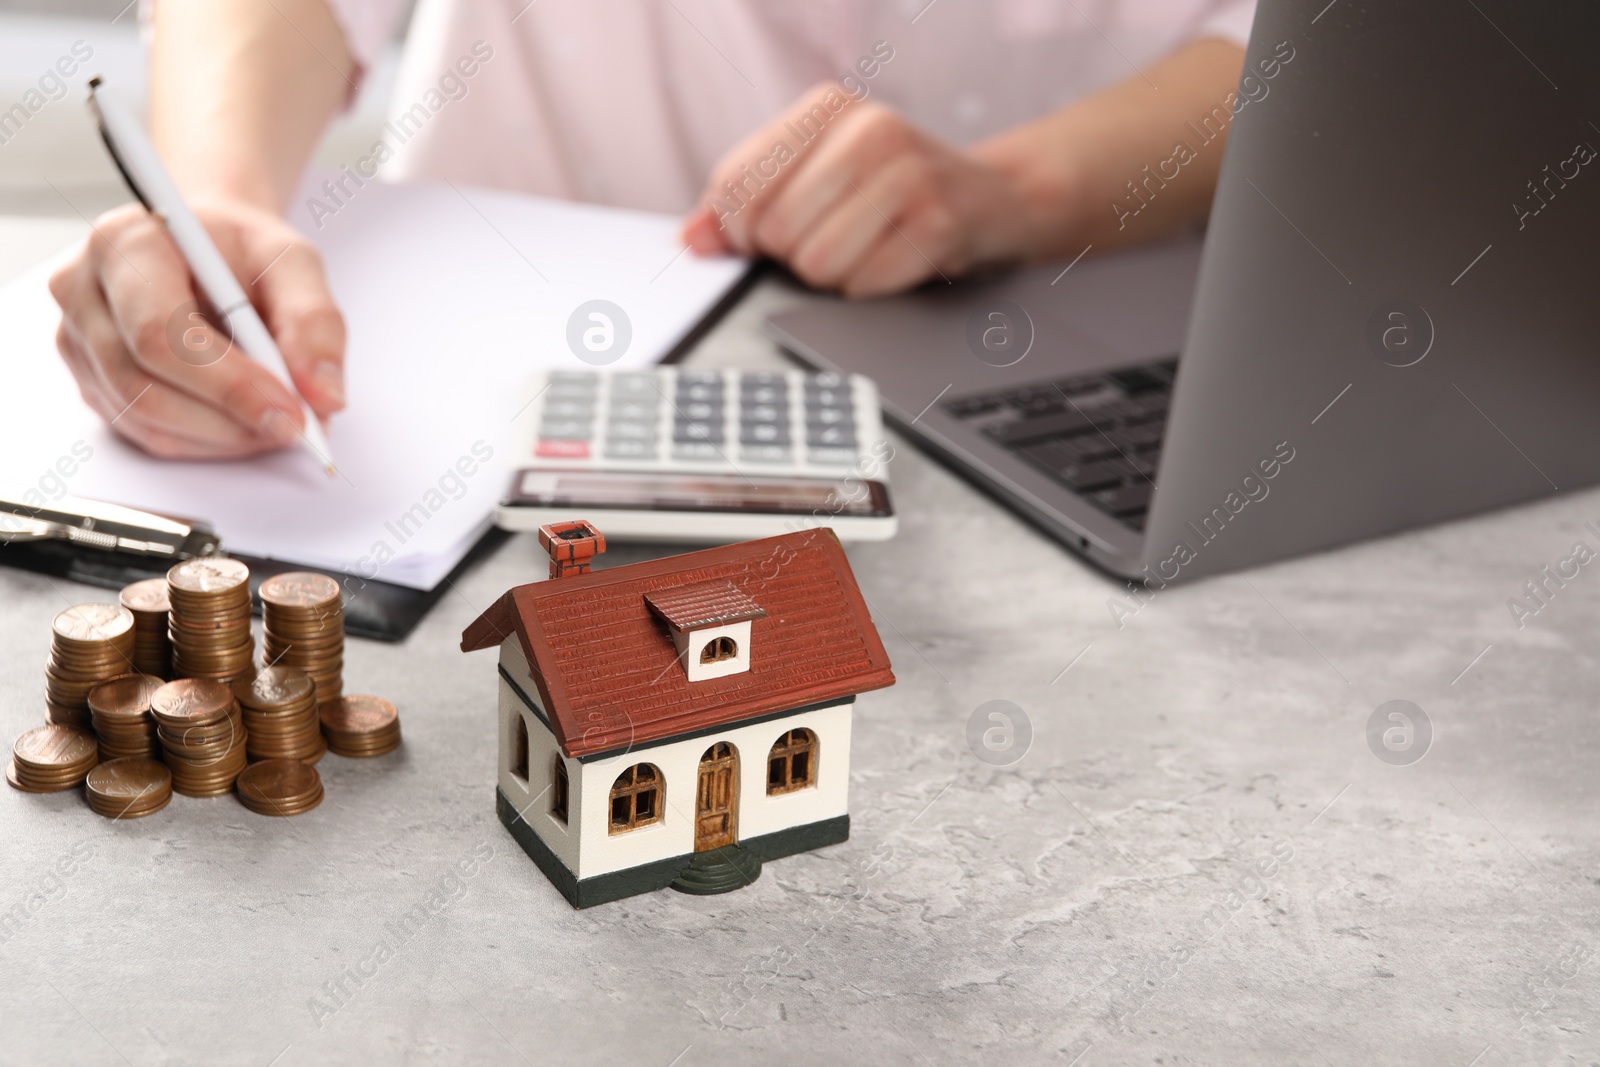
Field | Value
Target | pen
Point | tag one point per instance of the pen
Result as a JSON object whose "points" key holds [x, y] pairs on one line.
{"points": [[148, 179]]}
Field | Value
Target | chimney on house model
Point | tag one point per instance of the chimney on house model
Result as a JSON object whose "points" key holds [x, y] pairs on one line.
{"points": [[572, 545]]}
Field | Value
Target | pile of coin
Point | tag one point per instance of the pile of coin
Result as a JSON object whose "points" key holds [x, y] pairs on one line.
{"points": [[120, 710], [202, 735], [89, 643], [132, 738], [209, 619], [280, 787], [280, 715], [48, 759], [361, 726], [303, 622], [128, 788], [152, 647]]}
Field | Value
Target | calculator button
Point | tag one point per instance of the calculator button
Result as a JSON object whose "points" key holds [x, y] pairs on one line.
{"points": [[568, 409], [634, 410], [764, 394], [763, 413], [689, 393], [840, 436], [699, 377], [572, 377], [697, 431], [826, 380], [567, 428], [763, 433], [828, 398], [828, 416], [583, 392], [751, 379], [831, 457], [635, 386], [630, 431], [695, 450], [699, 410], [630, 449], [766, 454], [551, 449]]}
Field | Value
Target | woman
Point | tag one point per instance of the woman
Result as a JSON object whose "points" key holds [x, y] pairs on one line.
{"points": [[867, 144]]}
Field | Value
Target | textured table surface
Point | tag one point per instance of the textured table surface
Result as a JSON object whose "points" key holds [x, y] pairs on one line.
{"points": [[1198, 859]]}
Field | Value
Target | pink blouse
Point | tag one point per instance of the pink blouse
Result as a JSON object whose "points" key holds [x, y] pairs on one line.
{"points": [[630, 102]]}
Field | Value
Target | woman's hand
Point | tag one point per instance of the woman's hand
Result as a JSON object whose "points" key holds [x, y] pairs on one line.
{"points": [[150, 362], [852, 197]]}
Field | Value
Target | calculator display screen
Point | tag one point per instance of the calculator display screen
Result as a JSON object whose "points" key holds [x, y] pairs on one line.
{"points": [[825, 497]]}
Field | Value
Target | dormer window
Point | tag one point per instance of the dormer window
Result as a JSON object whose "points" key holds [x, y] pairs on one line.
{"points": [[710, 626]]}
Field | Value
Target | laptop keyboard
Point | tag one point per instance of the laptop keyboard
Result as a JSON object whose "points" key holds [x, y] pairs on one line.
{"points": [[1098, 435]]}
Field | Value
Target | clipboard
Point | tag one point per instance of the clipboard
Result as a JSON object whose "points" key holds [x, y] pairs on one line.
{"points": [[110, 546]]}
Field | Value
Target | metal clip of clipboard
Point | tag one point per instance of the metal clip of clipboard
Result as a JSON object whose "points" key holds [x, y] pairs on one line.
{"points": [[108, 527], [110, 546]]}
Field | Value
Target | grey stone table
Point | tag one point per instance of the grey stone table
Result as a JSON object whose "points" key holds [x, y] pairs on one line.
{"points": [[1198, 859]]}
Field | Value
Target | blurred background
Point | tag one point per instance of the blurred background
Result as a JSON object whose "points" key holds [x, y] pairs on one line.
{"points": [[54, 172]]}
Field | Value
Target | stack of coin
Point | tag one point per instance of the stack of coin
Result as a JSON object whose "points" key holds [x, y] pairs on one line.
{"points": [[122, 719], [361, 726], [209, 620], [202, 735], [48, 759], [128, 788], [280, 715], [280, 787], [152, 648], [303, 622], [90, 643]]}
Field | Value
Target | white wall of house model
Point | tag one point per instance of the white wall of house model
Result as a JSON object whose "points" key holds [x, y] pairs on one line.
{"points": [[584, 843]]}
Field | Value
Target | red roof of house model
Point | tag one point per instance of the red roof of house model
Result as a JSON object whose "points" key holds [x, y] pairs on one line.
{"points": [[607, 668]]}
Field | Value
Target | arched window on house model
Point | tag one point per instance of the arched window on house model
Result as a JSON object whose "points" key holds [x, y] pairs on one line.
{"points": [[792, 763], [558, 789], [636, 798], [519, 749]]}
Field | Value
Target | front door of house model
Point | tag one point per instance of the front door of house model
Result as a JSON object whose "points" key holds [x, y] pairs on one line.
{"points": [[716, 807]]}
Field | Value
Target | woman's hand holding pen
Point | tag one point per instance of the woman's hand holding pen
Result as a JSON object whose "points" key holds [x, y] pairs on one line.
{"points": [[148, 358]]}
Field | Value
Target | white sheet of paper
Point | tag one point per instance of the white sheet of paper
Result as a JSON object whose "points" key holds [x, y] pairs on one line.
{"points": [[452, 296]]}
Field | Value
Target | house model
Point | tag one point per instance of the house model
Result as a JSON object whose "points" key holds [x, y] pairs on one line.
{"points": [[678, 722]]}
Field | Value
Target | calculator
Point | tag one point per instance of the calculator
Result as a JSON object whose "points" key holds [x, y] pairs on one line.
{"points": [[668, 454]]}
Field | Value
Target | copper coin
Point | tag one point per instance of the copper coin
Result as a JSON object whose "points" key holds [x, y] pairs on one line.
{"points": [[225, 768], [135, 812], [363, 746], [279, 785], [358, 714], [192, 700], [298, 808], [28, 787], [149, 595], [127, 696], [47, 747], [275, 687], [218, 633], [129, 781], [202, 748], [93, 622], [199, 735], [210, 574], [100, 668], [65, 716], [233, 606], [299, 589]]}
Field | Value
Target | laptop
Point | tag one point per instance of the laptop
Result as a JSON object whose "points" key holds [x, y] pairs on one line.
{"points": [[1393, 318]]}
